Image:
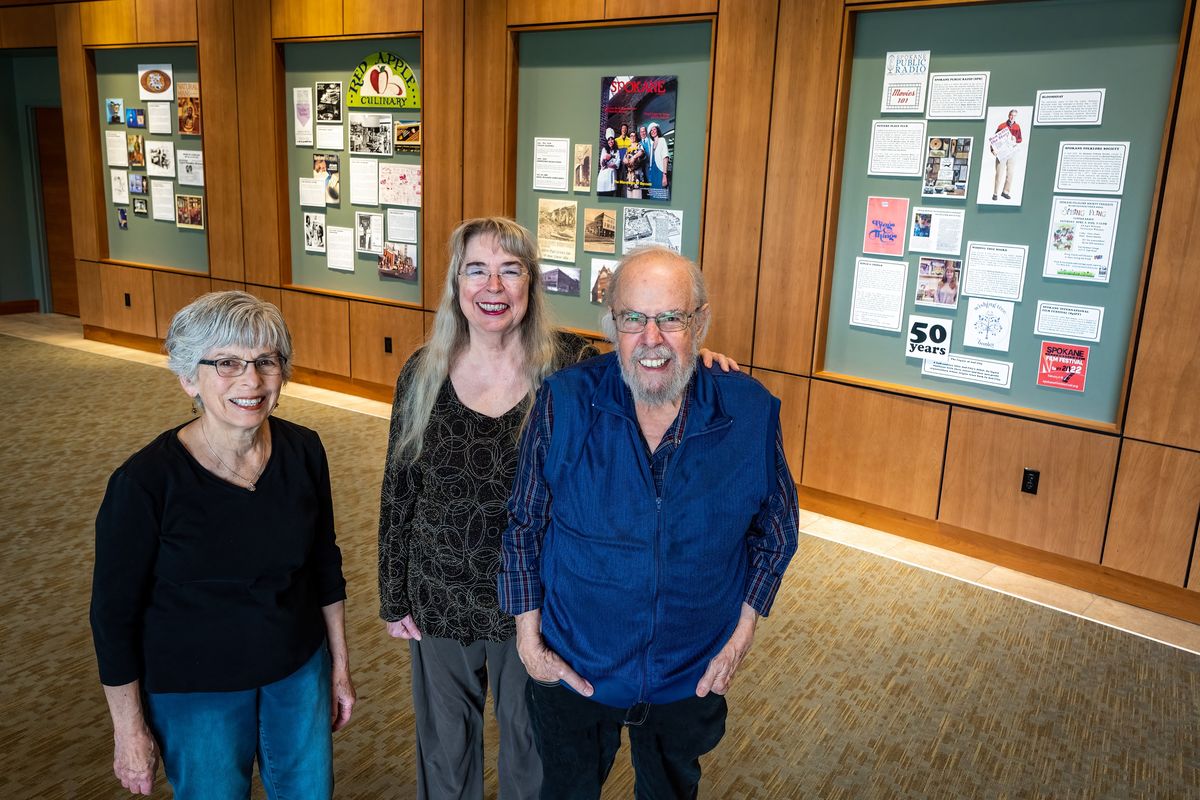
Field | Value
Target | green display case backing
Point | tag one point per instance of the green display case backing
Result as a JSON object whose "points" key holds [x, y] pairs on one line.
{"points": [[306, 63], [1128, 47], [559, 97], [147, 240]]}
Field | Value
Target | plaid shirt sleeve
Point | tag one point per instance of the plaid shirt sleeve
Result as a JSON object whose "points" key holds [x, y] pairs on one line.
{"points": [[519, 583], [773, 536]]}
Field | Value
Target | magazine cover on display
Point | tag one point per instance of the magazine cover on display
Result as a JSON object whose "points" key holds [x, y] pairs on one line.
{"points": [[637, 136]]}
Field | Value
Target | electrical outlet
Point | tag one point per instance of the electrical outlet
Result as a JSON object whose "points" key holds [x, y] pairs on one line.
{"points": [[387, 344], [1029, 480]]}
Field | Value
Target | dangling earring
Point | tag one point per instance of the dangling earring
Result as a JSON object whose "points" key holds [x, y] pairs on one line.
{"points": [[196, 406]]}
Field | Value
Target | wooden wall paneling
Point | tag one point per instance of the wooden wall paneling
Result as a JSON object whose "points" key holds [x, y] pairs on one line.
{"points": [[793, 413], [631, 9], [880, 448], [264, 216], [227, 286], [222, 176], [172, 292], [426, 323], [370, 323], [442, 142], [108, 22], [128, 295], [395, 16], [981, 489], [91, 295], [739, 124], [1152, 525], [1162, 402], [166, 21], [789, 272], [297, 18], [1194, 578], [486, 98], [541, 12], [320, 329], [81, 125], [269, 293], [31, 26]]}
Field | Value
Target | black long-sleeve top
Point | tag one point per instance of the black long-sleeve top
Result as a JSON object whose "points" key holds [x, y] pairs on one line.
{"points": [[203, 586]]}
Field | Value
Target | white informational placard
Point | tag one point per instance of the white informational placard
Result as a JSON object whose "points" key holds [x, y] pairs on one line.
{"points": [[1069, 107], [190, 164], [928, 337], [364, 181], [897, 148], [1091, 167], [302, 115], [401, 225], [339, 252], [936, 230], [331, 137], [878, 298], [1083, 232], [162, 200], [958, 95], [995, 270], [905, 76], [970, 369], [160, 159], [312, 192], [119, 179], [551, 164], [160, 118], [1067, 320], [114, 149], [988, 325]]}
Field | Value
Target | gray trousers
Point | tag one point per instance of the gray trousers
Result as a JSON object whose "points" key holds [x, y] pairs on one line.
{"points": [[450, 684]]}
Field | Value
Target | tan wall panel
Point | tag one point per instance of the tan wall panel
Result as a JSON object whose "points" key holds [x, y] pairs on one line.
{"points": [[738, 154], [91, 295], [138, 316], [294, 18], [537, 12], [227, 286], [369, 324], [171, 293], [108, 22], [1194, 578], [81, 125], [628, 9], [789, 269], [320, 331], [793, 413], [270, 294], [485, 101], [875, 447], [394, 16], [1152, 525], [259, 142], [166, 20], [218, 88], [1162, 401], [981, 490], [27, 27], [442, 140]]}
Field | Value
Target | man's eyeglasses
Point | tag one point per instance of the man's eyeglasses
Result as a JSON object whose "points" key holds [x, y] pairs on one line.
{"points": [[667, 321], [476, 275], [233, 367]]}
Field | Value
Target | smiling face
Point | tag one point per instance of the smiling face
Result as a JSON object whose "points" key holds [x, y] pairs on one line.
{"points": [[495, 307], [656, 366], [235, 404]]}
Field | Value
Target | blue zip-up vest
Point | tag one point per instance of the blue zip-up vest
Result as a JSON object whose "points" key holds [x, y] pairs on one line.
{"points": [[640, 590]]}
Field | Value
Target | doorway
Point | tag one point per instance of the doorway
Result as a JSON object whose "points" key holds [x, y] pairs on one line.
{"points": [[56, 210]]}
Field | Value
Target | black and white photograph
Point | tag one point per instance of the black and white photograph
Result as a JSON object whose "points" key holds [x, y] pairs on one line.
{"points": [[556, 229], [329, 101], [642, 226], [371, 134], [160, 159], [314, 232], [368, 233], [557, 279], [599, 230], [140, 206]]}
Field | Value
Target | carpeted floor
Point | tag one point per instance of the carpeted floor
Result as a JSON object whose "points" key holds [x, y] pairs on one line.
{"points": [[870, 680]]}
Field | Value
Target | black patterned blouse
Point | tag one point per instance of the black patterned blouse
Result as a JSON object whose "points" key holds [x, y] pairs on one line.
{"points": [[442, 517]]}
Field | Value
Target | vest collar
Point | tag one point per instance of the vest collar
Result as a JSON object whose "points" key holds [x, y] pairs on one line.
{"points": [[707, 411]]}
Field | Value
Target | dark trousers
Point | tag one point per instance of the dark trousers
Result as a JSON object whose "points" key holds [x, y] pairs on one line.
{"points": [[578, 740]]}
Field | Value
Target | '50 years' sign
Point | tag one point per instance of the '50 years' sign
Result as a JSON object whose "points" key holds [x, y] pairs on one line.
{"points": [[928, 338]]}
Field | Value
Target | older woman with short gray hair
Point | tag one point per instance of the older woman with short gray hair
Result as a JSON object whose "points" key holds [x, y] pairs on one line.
{"points": [[218, 597]]}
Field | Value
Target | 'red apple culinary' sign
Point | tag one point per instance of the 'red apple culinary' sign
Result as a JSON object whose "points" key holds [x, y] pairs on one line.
{"points": [[383, 80]]}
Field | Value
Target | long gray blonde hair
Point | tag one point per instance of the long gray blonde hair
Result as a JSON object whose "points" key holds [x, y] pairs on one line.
{"points": [[451, 335]]}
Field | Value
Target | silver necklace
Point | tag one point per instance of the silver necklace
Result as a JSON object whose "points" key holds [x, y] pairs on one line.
{"points": [[250, 483]]}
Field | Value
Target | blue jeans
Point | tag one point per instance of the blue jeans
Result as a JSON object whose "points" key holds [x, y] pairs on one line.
{"points": [[209, 739]]}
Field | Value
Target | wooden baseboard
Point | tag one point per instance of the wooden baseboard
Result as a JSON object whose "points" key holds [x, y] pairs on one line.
{"points": [[340, 383], [20, 307], [1135, 590], [135, 341]]}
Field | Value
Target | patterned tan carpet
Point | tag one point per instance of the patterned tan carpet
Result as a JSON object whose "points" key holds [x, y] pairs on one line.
{"points": [[870, 680]]}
